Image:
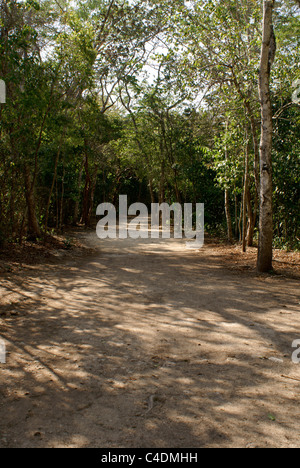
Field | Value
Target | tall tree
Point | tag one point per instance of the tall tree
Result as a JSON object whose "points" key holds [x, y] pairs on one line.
{"points": [[268, 51]]}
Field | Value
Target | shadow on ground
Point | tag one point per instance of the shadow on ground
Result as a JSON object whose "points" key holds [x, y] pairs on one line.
{"points": [[148, 346]]}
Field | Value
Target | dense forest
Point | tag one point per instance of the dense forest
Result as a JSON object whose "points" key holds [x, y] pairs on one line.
{"points": [[158, 100], [127, 339]]}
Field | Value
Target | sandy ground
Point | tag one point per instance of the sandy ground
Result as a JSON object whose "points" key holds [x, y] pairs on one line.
{"points": [[142, 344]]}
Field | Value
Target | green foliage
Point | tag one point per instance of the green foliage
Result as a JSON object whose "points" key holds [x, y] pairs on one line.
{"points": [[155, 99], [287, 178]]}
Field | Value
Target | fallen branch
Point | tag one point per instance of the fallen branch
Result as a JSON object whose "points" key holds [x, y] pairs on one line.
{"points": [[290, 378]]}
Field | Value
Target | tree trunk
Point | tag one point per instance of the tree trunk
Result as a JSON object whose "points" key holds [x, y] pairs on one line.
{"points": [[92, 195], [34, 230], [77, 202], [53, 182], [264, 260], [244, 232], [177, 192], [245, 196], [237, 230], [228, 217], [254, 131], [162, 184], [227, 202], [251, 219], [86, 192], [151, 190], [61, 215]]}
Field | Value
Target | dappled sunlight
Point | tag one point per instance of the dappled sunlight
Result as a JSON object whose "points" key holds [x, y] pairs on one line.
{"points": [[170, 121], [150, 350]]}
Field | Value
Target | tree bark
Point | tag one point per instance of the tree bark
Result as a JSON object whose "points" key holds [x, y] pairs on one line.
{"points": [[162, 182], [227, 202], [34, 230], [254, 131], [251, 219], [92, 195], [61, 216], [86, 192], [228, 217], [151, 190], [53, 182], [265, 252], [245, 194], [77, 202]]}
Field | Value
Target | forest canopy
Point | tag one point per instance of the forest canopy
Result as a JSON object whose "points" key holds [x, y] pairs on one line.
{"points": [[158, 100]]}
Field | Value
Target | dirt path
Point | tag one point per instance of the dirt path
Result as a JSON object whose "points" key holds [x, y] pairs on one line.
{"points": [[148, 345]]}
